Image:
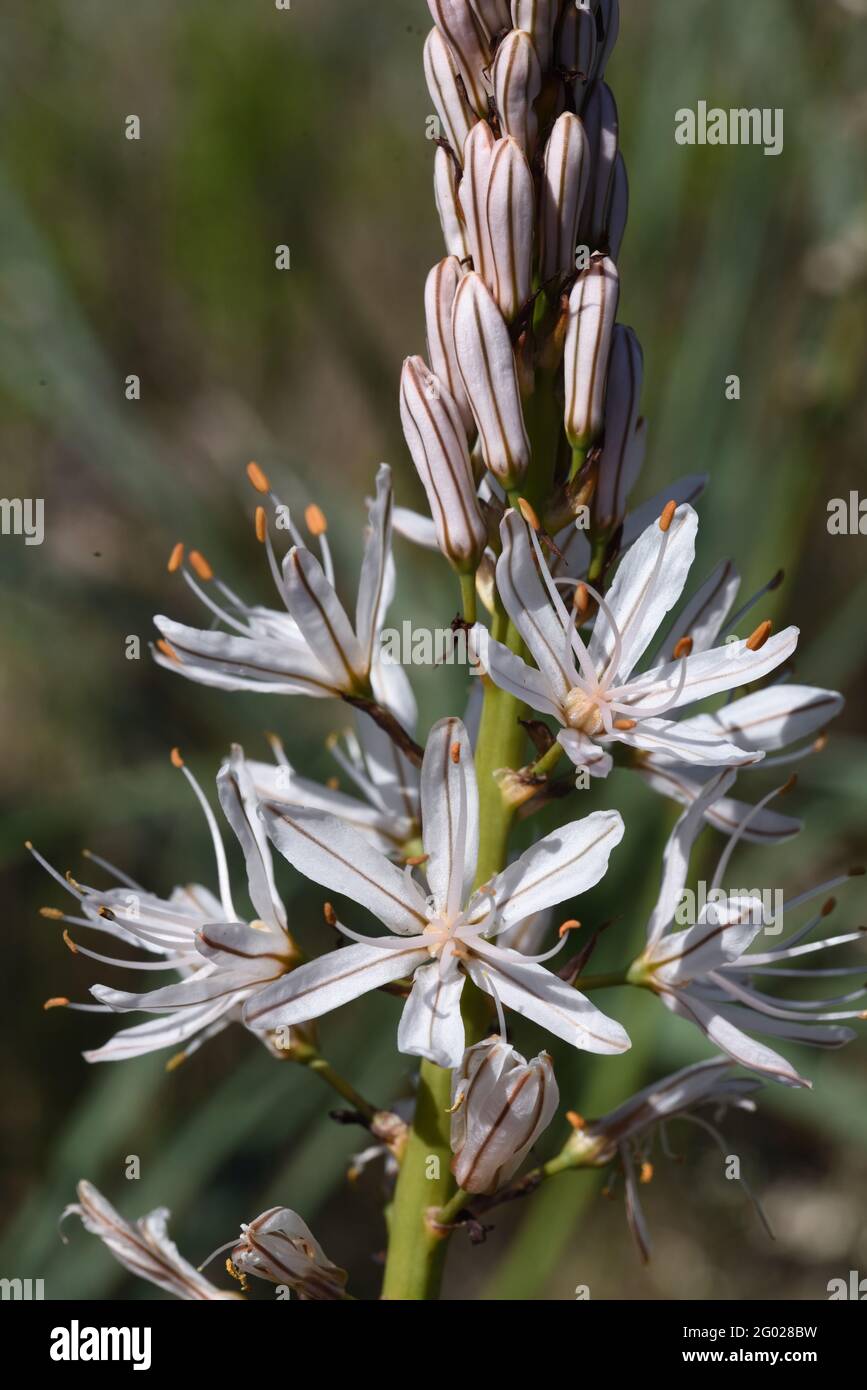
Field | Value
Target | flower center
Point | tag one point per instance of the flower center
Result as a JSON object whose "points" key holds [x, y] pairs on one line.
{"points": [[583, 713], [441, 937]]}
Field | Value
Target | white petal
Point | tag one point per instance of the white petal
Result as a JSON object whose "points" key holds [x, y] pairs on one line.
{"points": [[704, 615], [723, 936], [431, 1025], [376, 583], [201, 988], [673, 742], [727, 813], [709, 673], [324, 984], [421, 530], [511, 673], [449, 813], [686, 489], [239, 801], [585, 753], [242, 663], [772, 718], [530, 607], [166, 1030], [729, 1039], [538, 995], [322, 619], [642, 594], [565, 863], [336, 856]]}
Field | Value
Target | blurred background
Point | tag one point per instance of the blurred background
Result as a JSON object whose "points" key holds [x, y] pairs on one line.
{"points": [[155, 257]]}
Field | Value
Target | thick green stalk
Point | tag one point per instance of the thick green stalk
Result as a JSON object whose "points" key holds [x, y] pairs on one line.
{"points": [[416, 1251]]}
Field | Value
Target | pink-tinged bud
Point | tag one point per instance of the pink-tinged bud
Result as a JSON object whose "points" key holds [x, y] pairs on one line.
{"points": [[623, 446], [439, 297], [487, 365], [446, 199], [473, 194], [510, 210], [468, 42], [609, 20], [493, 15], [592, 311], [517, 79], [500, 1105], [456, 115], [280, 1247], [564, 185], [537, 18], [576, 41], [618, 208], [437, 441], [600, 122]]}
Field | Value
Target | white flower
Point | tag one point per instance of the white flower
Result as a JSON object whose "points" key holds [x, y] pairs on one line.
{"points": [[704, 973], [600, 701], [222, 960], [517, 78], [500, 1105], [441, 937], [565, 174], [487, 366], [311, 648], [145, 1248], [280, 1247], [451, 105], [592, 311]]}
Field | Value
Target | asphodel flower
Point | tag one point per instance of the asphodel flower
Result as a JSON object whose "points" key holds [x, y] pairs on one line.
{"points": [[487, 366], [591, 689], [144, 1248], [437, 442], [473, 196], [565, 173], [440, 289], [599, 116], [575, 42], [441, 933], [501, 1103], [311, 648], [537, 18], [705, 972], [510, 212], [280, 1247], [517, 78], [222, 959], [448, 208], [469, 44], [452, 107], [589, 329]]}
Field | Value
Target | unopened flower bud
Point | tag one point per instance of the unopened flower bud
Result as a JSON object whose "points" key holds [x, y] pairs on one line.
{"points": [[446, 198], [623, 449], [473, 194], [437, 441], [452, 107], [493, 15], [564, 185], [501, 1104], [537, 18], [439, 296], [468, 42], [592, 311], [280, 1247], [601, 124], [608, 17], [517, 79], [618, 208], [576, 40], [487, 366], [511, 208]]}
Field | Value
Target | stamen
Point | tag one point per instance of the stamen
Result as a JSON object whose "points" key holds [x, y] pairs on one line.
{"points": [[200, 565], [455, 753], [277, 748], [261, 524], [315, 520], [219, 848], [625, 724], [176, 559], [258, 479], [575, 1120], [580, 602], [682, 648], [667, 516], [59, 1002], [741, 829], [167, 650], [329, 914], [528, 513], [757, 639], [215, 608], [112, 869], [53, 912]]}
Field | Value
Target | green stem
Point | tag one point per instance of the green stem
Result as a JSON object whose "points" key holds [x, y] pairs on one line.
{"points": [[548, 761], [468, 597], [417, 1249], [609, 980], [308, 1056]]}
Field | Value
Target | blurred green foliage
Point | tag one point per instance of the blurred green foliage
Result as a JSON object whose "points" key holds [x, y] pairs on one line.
{"points": [[307, 127]]}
